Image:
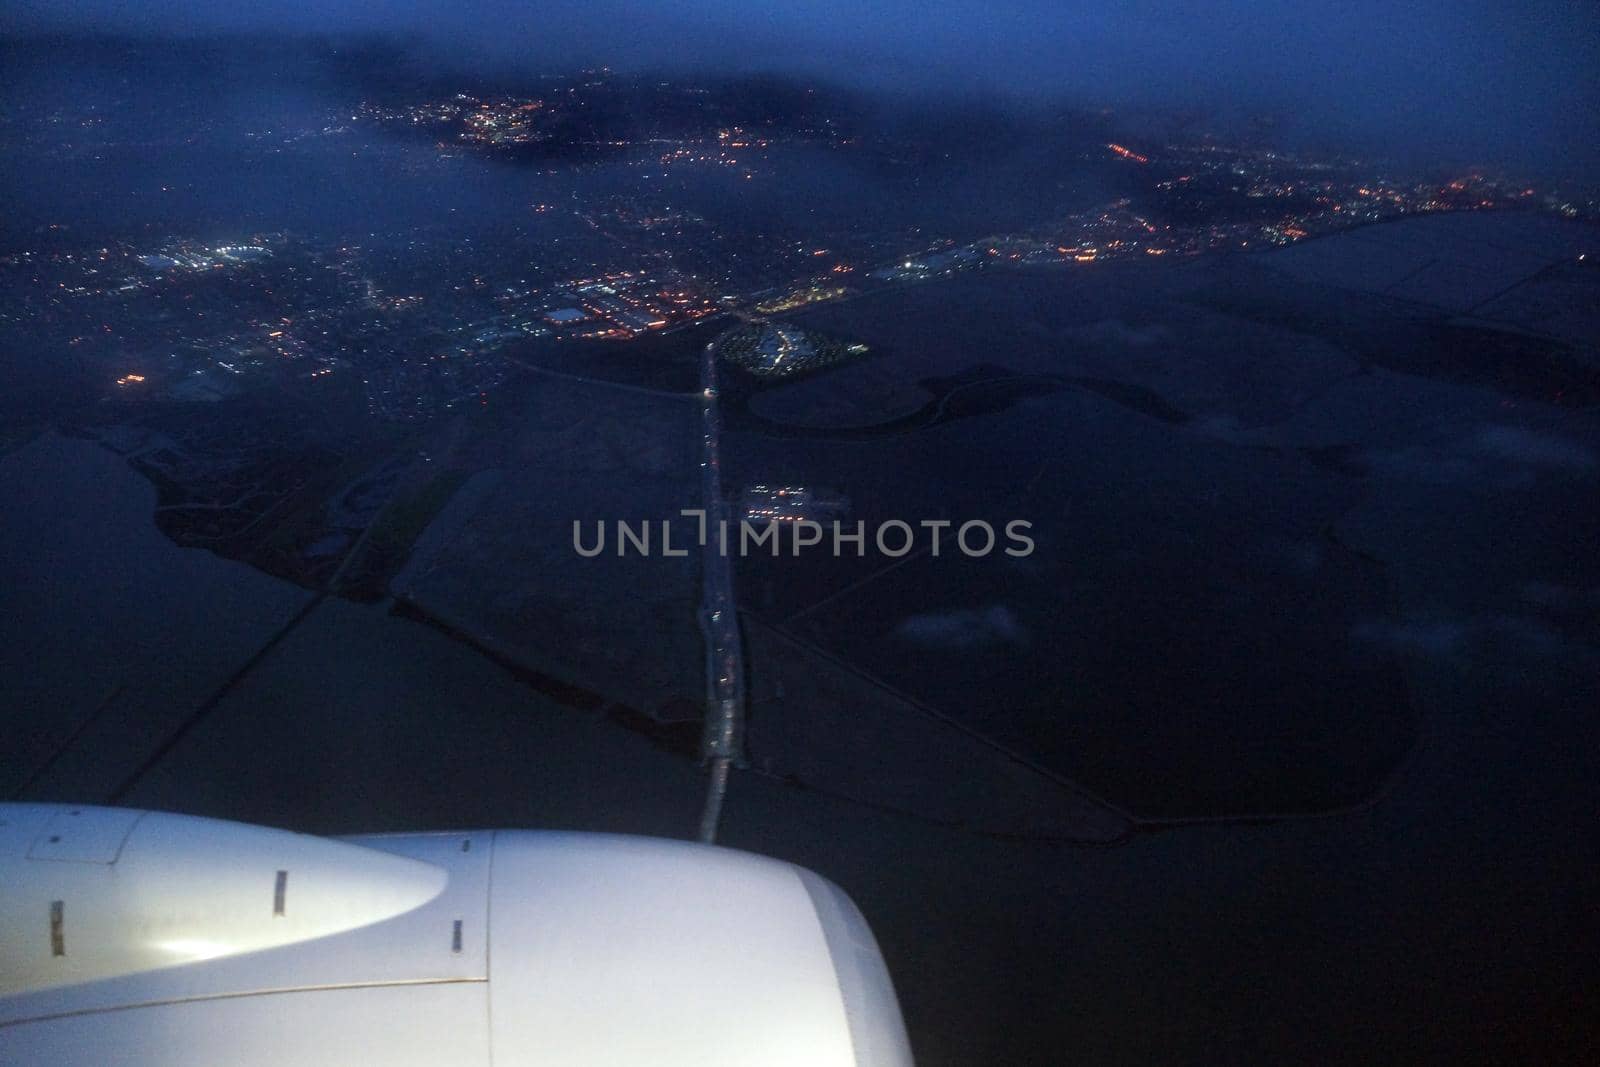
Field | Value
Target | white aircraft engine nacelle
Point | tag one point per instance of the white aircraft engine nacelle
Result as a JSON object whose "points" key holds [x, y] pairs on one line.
{"points": [[143, 938]]}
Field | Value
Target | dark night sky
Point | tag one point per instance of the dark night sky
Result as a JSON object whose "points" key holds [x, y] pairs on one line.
{"points": [[1460, 81]]}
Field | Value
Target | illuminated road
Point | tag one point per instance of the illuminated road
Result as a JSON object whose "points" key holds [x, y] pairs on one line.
{"points": [[719, 618]]}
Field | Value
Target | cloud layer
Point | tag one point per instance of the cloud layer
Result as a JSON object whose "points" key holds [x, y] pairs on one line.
{"points": [[1504, 81]]}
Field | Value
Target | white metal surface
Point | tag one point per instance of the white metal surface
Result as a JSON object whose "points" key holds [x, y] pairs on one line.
{"points": [[144, 938], [96, 893], [367, 1026], [627, 950]]}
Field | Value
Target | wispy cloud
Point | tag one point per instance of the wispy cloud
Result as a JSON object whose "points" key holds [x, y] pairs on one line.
{"points": [[977, 628]]}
